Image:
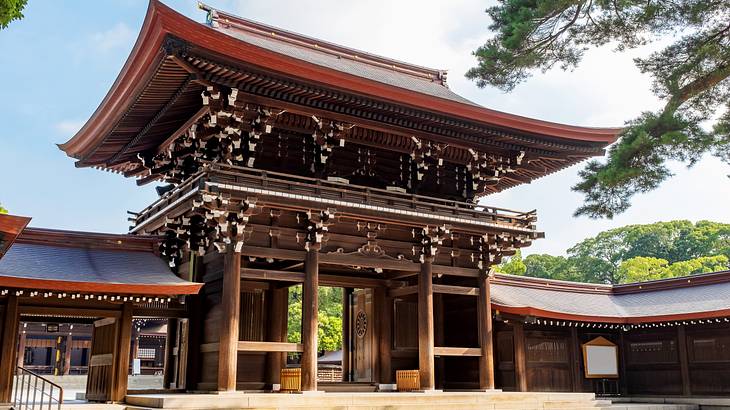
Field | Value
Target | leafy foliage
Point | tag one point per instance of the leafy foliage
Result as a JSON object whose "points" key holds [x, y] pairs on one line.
{"points": [[11, 10], [329, 315], [691, 75], [3, 210], [635, 253]]}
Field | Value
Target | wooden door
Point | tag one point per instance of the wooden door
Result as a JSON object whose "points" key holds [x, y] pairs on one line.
{"points": [[362, 335], [102, 360]]}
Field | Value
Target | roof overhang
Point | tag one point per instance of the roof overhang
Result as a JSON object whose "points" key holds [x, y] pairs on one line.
{"points": [[10, 227], [161, 23]]}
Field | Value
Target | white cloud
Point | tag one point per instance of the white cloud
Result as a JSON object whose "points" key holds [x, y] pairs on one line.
{"points": [[119, 35], [69, 127]]}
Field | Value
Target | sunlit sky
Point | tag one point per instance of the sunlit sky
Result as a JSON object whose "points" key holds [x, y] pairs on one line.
{"points": [[58, 63]]}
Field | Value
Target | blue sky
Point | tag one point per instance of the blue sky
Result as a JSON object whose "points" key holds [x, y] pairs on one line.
{"points": [[58, 63]]}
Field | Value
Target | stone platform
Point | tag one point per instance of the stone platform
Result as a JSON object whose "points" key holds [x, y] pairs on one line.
{"points": [[495, 400]]}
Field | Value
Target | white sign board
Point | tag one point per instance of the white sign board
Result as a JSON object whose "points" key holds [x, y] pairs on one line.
{"points": [[136, 367], [601, 361]]}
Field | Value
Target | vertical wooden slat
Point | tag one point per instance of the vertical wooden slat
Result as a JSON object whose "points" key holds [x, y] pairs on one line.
{"points": [[310, 305], [484, 310], [683, 360], [124, 343], [230, 311], [425, 326], [520, 363], [346, 333], [7, 348]]}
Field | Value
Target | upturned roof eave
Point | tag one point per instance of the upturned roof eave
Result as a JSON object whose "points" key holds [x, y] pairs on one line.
{"points": [[161, 21]]}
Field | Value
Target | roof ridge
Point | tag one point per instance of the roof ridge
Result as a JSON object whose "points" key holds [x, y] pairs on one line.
{"points": [[217, 18]]}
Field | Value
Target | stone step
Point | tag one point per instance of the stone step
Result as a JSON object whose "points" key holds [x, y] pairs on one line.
{"points": [[446, 400]]}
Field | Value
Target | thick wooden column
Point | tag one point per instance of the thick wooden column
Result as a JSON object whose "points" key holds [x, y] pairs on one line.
{"points": [[425, 325], [230, 311], [683, 360], [484, 310], [277, 332], [66, 354], [520, 361], [623, 380], [119, 389], [21, 350], [439, 338], [575, 353], [7, 348], [170, 365], [310, 305], [346, 333], [386, 336]]}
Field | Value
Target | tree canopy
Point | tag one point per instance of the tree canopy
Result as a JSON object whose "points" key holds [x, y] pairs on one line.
{"points": [[3, 210], [329, 315], [691, 75], [634, 253], [11, 10]]}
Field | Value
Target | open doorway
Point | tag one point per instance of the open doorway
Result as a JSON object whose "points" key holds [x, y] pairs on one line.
{"points": [[331, 331]]}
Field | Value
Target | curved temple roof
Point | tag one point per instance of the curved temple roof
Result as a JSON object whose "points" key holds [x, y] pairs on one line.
{"points": [[50, 260], [684, 298], [233, 42]]}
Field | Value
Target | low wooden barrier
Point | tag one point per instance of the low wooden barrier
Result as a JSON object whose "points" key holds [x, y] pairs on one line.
{"points": [[291, 380], [408, 380]]}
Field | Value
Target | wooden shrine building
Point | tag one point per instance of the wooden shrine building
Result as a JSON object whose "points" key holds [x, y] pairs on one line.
{"points": [[289, 160]]}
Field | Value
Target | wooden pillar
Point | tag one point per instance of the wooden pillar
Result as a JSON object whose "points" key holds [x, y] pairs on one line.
{"points": [[623, 380], [66, 354], [575, 353], [7, 348], [425, 325], [278, 309], [124, 343], [386, 337], [520, 362], [484, 310], [346, 333], [21, 350], [168, 372], [230, 311], [683, 360], [310, 305]]}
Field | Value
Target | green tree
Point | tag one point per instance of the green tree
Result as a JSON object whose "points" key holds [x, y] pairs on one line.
{"points": [[512, 265], [691, 75], [3, 210], [635, 253], [11, 10], [329, 312]]}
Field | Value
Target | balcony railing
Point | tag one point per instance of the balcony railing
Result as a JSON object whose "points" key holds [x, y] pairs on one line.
{"points": [[339, 191]]}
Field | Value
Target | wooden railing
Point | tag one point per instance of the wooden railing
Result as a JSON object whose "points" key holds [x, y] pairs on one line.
{"points": [[34, 391], [339, 191]]}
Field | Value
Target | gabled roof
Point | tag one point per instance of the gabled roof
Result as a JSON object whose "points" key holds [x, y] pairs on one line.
{"points": [[684, 298], [158, 90], [65, 261]]}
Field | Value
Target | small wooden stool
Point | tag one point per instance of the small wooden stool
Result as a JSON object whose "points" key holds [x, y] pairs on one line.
{"points": [[291, 380], [408, 380]]}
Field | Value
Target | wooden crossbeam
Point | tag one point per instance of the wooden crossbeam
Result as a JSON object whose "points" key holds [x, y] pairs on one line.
{"points": [[457, 351]]}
